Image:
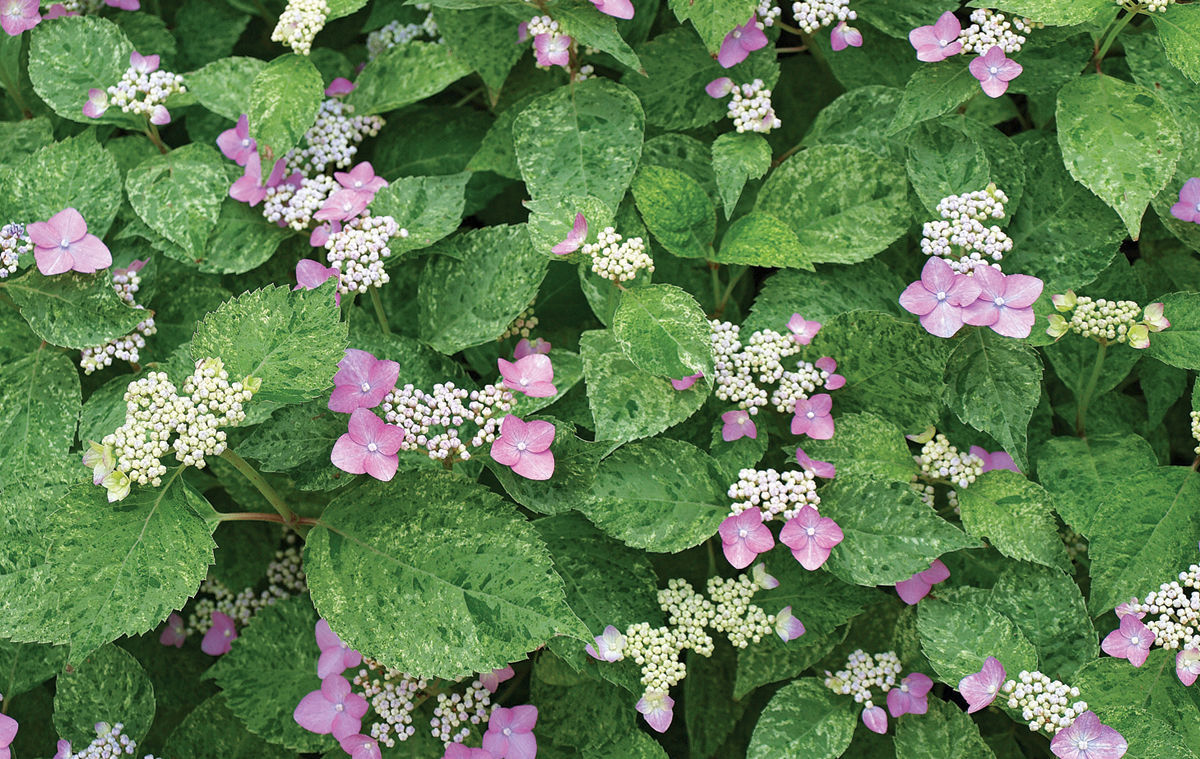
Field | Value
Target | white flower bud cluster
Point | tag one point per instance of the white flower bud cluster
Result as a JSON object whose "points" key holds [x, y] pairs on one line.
{"points": [[291, 206], [688, 612], [961, 238], [13, 243], [127, 348], [110, 743], [333, 139], [523, 325], [765, 351], [863, 673], [139, 92], [585, 72], [1104, 319], [811, 15], [76, 6], [766, 13], [777, 494], [1145, 6], [359, 250], [450, 408], [797, 385], [617, 260], [942, 462], [750, 108], [396, 33], [299, 24], [989, 28], [393, 696], [212, 402], [456, 713], [1044, 703], [1173, 611], [656, 651], [285, 578], [1195, 416], [733, 373], [743, 622], [541, 25]]}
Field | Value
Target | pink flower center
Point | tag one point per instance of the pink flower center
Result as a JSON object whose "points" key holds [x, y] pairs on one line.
{"points": [[339, 708], [372, 447], [811, 415], [810, 531], [743, 532], [521, 446], [507, 731], [999, 302], [941, 295], [993, 70]]}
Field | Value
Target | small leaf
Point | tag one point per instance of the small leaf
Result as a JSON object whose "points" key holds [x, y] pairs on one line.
{"points": [[179, 194], [804, 719], [738, 158], [405, 74], [430, 208], [1016, 517], [663, 331], [945, 732], [68, 59], [760, 239], [38, 409], [211, 729], [282, 104], [957, 637], [72, 310], [676, 210], [108, 686], [934, 89], [224, 86], [75, 173], [1179, 345]]}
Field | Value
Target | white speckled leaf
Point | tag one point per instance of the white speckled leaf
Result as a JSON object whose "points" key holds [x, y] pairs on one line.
{"points": [[804, 719]]}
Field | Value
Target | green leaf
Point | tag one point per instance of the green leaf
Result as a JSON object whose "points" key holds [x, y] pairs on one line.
{"points": [[241, 240], [1119, 140], [341, 8], [75, 173], [710, 710], [932, 90], [1135, 538], [865, 445], [480, 282], [1074, 361], [1110, 686], [656, 508], [594, 30], [428, 207], [292, 341], [211, 729], [893, 368], [1048, 608], [736, 159], [672, 89], [108, 686], [38, 410], [1016, 516], [21, 138], [300, 438], [1080, 472], [760, 239], [957, 637], [1062, 233], [405, 74], [1050, 12], [713, 19], [283, 102], [24, 666], [575, 462], [108, 570], [663, 331], [472, 33], [993, 384], [179, 194], [72, 310], [458, 581], [224, 86], [276, 654], [676, 210], [626, 402], [890, 535], [1179, 345], [583, 139], [1148, 735], [804, 719], [68, 59], [955, 154], [1179, 31], [859, 117], [944, 732], [830, 291], [845, 204]]}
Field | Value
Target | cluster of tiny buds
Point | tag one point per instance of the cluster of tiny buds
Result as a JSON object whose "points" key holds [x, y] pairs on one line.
{"points": [[1108, 320], [289, 205], [395, 33], [523, 325], [941, 461], [767, 12], [541, 25], [212, 402], [449, 408], [456, 713], [585, 72], [126, 282], [299, 24], [811, 15], [1076, 544], [1173, 611], [1145, 6], [656, 651], [765, 352], [1195, 416], [743, 622], [961, 236], [688, 613], [285, 578], [750, 108], [332, 141], [393, 695], [797, 385], [1045, 704], [989, 28], [358, 252], [142, 92], [775, 494], [13, 243], [617, 259], [110, 743], [863, 673], [734, 368]]}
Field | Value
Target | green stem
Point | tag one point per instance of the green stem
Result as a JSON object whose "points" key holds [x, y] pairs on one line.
{"points": [[264, 487], [259, 516], [724, 301], [152, 133], [712, 557], [1109, 36], [1086, 398], [716, 284], [379, 313], [15, 91]]}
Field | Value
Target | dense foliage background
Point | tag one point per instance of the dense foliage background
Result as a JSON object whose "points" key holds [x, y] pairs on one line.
{"points": [[1000, 489]]}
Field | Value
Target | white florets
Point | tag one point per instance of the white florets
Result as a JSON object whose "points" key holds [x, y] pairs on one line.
{"points": [[285, 578], [989, 28], [941, 461], [1173, 611], [110, 743], [774, 493], [1046, 705], [13, 243], [299, 24], [617, 260], [750, 108], [1108, 320], [865, 673], [811, 15], [396, 33], [522, 326], [961, 237], [332, 141], [141, 92], [358, 252], [767, 12], [436, 421]]}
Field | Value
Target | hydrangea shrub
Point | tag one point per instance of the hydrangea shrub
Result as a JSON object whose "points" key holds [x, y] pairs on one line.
{"points": [[599, 380]]}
